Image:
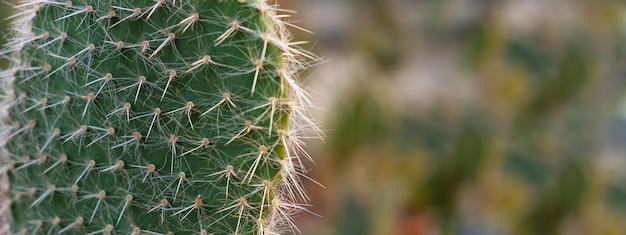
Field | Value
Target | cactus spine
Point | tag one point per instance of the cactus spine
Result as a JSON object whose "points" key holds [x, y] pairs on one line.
{"points": [[153, 117]]}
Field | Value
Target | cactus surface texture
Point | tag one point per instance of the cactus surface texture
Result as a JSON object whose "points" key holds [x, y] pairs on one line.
{"points": [[154, 117]]}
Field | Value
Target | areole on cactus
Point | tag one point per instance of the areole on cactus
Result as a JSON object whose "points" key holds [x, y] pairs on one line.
{"points": [[154, 117]]}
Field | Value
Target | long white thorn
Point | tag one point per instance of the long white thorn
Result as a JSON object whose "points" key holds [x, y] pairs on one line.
{"points": [[136, 14], [135, 137], [266, 190], [163, 204], [100, 196], [69, 62], [141, 81], [226, 98], [62, 160], [105, 231], [259, 63], [28, 162], [170, 38], [89, 98], [109, 132], [89, 166], [204, 143], [243, 203], [204, 61], [172, 76], [153, 8], [249, 126], [233, 28], [62, 36], [81, 130], [157, 114], [87, 9], [189, 21], [43, 196], [79, 221], [250, 174], [227, 173], [197, 204], [181, 177], [127, 200], [117, 166]]}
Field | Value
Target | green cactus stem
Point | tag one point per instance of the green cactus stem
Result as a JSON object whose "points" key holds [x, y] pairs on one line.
{"points": [[154, 117]]}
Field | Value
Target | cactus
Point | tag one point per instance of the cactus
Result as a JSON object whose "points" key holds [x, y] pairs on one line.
{"points": [[154, 117]]}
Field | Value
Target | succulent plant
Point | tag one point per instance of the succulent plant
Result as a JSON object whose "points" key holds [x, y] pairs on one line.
{"points": [[154, 117]]}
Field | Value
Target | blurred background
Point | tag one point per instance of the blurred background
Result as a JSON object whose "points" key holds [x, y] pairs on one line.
{"points": [[473, 117]]}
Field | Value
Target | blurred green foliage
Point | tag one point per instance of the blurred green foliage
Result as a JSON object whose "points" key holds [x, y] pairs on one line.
{"points": [[525, 153]]}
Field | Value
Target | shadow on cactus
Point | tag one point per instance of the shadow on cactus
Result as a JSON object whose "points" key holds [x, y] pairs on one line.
{"points": [[154, 117]]}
